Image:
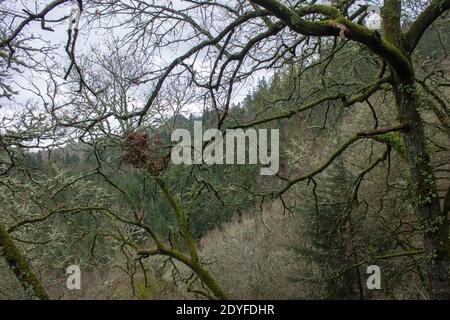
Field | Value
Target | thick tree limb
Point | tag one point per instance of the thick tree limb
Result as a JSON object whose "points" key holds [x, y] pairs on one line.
{"points": [[20, 266], [425, 19], [370, 38]]}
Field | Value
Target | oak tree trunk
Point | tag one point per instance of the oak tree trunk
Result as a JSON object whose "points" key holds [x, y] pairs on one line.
{"points": [[433, 221]]}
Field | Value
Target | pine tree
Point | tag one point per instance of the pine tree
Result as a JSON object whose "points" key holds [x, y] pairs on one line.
{"points": [[329, 229]]}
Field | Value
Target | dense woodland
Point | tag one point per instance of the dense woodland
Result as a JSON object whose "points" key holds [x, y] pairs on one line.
{"points": [[86, 176]]}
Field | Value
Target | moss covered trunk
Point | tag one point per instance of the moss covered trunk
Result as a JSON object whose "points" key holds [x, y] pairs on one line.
{"points": [[433, 221], [21, 268]]}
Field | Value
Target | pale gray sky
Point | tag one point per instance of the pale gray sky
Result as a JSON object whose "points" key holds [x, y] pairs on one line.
{"points": [[95, 37]]}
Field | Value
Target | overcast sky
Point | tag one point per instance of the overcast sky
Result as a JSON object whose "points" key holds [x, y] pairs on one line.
{"points": [[93, 37], [88, 38]]}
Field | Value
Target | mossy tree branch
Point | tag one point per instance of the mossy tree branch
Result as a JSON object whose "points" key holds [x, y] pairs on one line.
{"points": [[20, 266], [357, 136], [421, 24], [332, 27]]}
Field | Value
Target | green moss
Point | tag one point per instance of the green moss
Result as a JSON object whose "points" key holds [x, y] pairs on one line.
{"points": [[149, 292]]}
